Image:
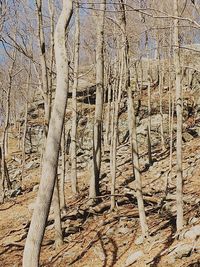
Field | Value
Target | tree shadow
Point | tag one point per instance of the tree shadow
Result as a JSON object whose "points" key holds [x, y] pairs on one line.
{"points": [[194, 264], [113, 251], [170, 239]]}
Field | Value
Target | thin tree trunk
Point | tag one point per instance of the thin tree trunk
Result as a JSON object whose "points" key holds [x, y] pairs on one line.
{"points": [[114, 142], [133, 134], [50, 164], [50, 83], [179, 185], [160, 101], [135, 156], [63, 173], [57, 217], [97, 130], [19, 136], [74, 103], [45, 86], [149, 115], [4, 144], [108, 113], [24, 140], [25, 124]]}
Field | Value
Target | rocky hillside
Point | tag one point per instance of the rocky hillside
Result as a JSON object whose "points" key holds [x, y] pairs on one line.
{"points": [[94, 236]]}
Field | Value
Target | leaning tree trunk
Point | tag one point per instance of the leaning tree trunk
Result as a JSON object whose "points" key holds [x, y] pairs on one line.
{"points": [[74, 103], [133, 132], [97, 130], [49, 169], [179, 185]]}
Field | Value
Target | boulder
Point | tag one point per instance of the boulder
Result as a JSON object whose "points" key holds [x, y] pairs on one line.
{"points": [[133, 258], [32, 165], [187, 137], [180, 251], [193, 232]]}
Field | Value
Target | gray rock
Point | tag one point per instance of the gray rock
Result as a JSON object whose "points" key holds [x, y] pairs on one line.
{"points": [[187, 137], [193, 220], [32, 165], [124, 230], [35, 188], [133, 258], [193, 233], [17, 173], [181, 250], [111, 232], [139, 240]]}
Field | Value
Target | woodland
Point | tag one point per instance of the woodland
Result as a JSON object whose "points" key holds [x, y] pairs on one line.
{"points": [[99, 133]]}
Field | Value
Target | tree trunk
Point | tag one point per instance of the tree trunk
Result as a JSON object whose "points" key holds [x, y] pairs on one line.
{"points": [[179, 102], [149, 116], [49, 169], [45, 86], [97, 130], [50, 83], [25, 123], [135, 156], [114, 141], [63, 173], [133, 134], [24, 140], [4, 139], [57, 217], [74, 104]]}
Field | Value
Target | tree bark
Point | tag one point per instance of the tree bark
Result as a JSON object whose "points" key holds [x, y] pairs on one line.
{"points": [[49, 169], [114, 141], [179, 103], [74, 102], [45, 86], [133, 134], [24, 140], [63, 173], [149, 114], [135, 156], [97, 130], [57, 217]]}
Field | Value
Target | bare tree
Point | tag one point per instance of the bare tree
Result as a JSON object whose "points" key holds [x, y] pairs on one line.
{"points": [[4, 138], [179, 103], [49, 169], [97, 130], [74, 104], [44, 73]]}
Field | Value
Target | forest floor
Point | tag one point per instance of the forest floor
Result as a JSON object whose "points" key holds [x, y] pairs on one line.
{"points": [[97, 237]]}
